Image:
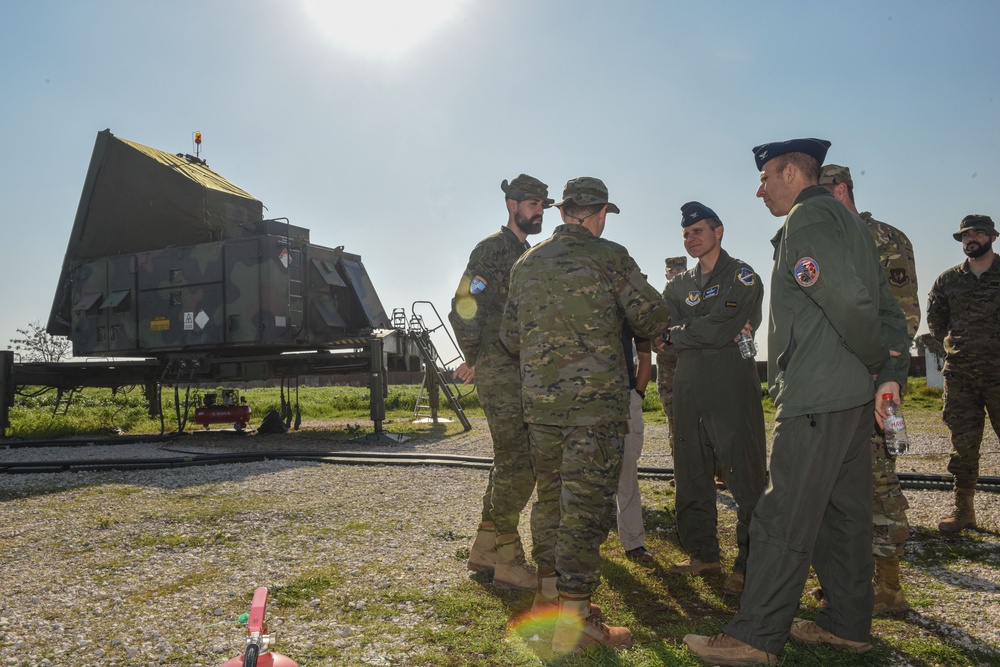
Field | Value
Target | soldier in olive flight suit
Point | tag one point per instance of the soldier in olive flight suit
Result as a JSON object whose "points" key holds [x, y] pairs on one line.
{"points": [[890, 526], [717, 408], [475, 316], [833, 324], [569, 298]]}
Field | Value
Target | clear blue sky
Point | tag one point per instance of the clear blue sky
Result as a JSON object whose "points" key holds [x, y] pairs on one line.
{"points": [[391, 136]]}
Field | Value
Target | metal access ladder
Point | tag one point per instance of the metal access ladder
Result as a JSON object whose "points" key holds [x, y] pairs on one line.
{"points": [[436, 373]]}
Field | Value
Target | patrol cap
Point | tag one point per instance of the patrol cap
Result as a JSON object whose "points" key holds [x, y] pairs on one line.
{"points": [[975, 221], [587, 191], [832, 174], [813, 147], [526, 187], [677, 263], [693, 211]]}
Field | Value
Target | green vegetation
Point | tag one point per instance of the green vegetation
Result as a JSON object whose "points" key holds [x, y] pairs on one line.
{"points": [[95, 412], [474, 623], [98, 412]]}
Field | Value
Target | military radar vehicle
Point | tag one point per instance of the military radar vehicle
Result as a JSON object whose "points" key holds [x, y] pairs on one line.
{"points": [[167, 258], [172, 275]]}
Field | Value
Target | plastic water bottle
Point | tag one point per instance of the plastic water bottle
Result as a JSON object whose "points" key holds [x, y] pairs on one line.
{"points": [[896, 441], [747, 348]]}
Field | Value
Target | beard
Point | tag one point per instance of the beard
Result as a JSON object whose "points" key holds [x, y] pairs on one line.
{"points": [[976, 250], [528, 225]]}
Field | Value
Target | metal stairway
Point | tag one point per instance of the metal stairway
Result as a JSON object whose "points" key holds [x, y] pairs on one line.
{"points": [[436, 373]]}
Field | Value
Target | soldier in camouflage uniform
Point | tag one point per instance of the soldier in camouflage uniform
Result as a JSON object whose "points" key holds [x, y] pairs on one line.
{"points": [[890, 526], [963, 313], [569, 297], [475, 316], [666, 361], [718, 410]]}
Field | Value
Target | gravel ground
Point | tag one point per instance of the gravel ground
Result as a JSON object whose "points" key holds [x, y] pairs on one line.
{"points": [[139, 567]]}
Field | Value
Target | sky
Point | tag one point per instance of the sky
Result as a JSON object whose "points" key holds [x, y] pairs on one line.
{"points": [[386, 126]]}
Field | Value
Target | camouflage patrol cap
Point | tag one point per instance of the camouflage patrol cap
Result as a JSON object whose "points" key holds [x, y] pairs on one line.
{"points": [[832, 174], [677, 263], [586, 191], [815, 148], [975, 221], [693, 211], [526, 187]]}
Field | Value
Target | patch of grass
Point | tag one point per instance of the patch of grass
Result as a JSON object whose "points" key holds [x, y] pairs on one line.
{"points": [[101, 412], [936, 549], [193, 579], [304, 588], [166, 541]]}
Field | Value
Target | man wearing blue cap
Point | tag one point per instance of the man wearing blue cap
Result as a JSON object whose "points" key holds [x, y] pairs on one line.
{"points": [[833, 324], [717, 407]]}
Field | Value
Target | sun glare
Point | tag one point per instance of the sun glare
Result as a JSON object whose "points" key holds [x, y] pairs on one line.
{"points": [[379, 28]]}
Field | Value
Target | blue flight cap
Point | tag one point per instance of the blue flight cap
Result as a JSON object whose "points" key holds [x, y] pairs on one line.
{"points": [[813, 147], [693, 211]]}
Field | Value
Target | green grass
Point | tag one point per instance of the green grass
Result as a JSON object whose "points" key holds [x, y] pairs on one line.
{"points": [[100, 412], [469, 623]]}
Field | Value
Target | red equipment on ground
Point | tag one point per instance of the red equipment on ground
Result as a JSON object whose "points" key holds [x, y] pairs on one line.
{"points": [[233, 410], [256, 653]]}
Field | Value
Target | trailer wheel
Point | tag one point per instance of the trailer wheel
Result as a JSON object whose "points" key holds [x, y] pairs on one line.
{"points": [[239, 426]]}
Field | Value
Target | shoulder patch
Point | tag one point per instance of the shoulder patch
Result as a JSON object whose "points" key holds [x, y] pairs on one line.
{"points": [[477, 285], [693, 298], [806, 272], [898, 277], [746, 277], [712, 291]]}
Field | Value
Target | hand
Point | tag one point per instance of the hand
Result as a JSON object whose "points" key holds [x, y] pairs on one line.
{"points": [[747, 330], [465, 373], [880, 405]]}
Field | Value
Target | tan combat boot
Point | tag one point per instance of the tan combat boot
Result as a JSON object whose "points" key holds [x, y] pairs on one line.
{"points": [[725, 650], [807, 632], [511, 570], [577, 629], [889, 596], [964, 515], [694, 566], [483, 556], [547, 595]]}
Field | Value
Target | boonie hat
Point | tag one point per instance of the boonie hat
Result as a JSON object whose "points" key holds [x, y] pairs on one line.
{"points": [[677, 263], [586, 191], [975, 221], [813, 147], [526, 187], [693, 211], [832, 174]]}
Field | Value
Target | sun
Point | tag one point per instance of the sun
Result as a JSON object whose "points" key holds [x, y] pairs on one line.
{"points": [[379, 28]]}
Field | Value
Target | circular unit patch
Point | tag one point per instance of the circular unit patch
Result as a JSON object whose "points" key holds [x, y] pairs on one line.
{"points": [[806, 272]]}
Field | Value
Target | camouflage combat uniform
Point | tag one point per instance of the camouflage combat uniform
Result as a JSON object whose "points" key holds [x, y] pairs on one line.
{"points": [[718, 409], [963, 312], [666, 361], [889, 505], [475, 316], [666, 365], [569, 297]]}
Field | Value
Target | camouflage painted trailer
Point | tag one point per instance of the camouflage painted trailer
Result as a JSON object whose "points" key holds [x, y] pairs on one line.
{"points": [[167, 258]]}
